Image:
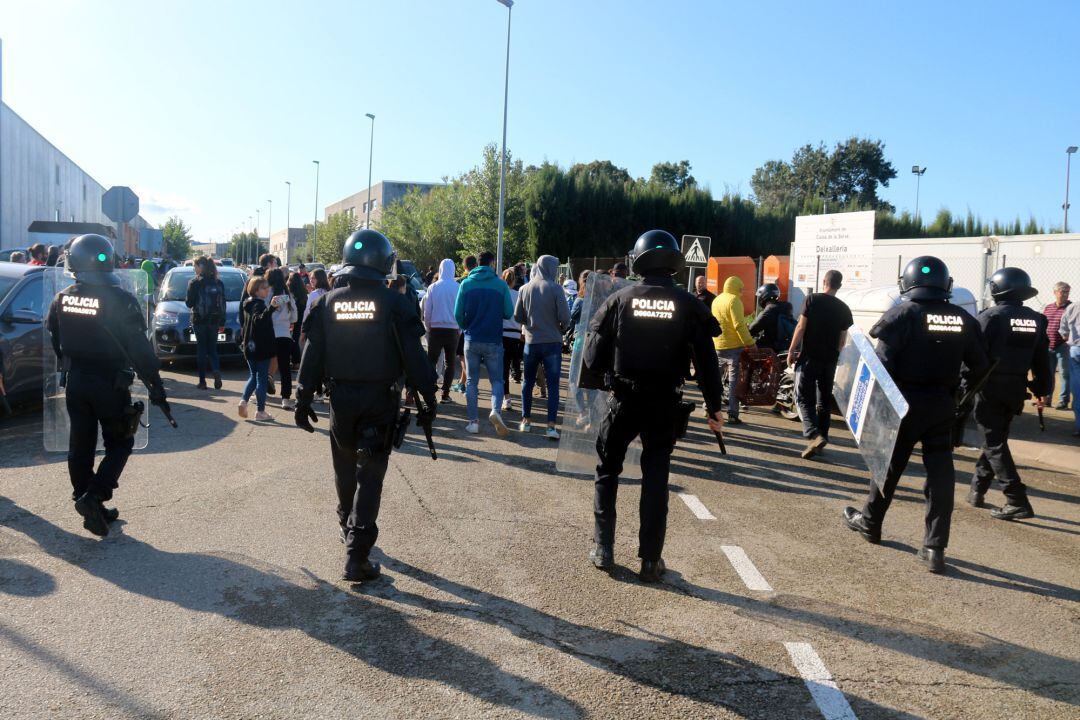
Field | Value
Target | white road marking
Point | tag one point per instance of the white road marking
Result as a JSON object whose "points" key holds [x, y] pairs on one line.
{"points": [[830, 701], [697, 507], [746, 569]]}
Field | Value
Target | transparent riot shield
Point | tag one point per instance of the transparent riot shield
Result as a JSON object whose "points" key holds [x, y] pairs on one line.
{"points": [[872, 404], [586, 408], [54, 415]]}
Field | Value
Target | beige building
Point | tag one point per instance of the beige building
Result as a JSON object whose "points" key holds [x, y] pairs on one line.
{"points": [[289, 244], [382, 194]]}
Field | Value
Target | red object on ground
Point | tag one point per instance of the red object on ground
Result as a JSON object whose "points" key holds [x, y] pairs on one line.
{"points": [[759, 376]]}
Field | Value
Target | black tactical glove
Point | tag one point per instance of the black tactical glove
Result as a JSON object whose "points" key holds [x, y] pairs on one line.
{"points": [[304, 416]]}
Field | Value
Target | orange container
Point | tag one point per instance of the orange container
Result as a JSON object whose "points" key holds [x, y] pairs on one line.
{"points": [[744, 268], [777, 269]]}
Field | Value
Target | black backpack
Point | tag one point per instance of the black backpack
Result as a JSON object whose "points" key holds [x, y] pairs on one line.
{"points": [[210, 302], [785, 329]]}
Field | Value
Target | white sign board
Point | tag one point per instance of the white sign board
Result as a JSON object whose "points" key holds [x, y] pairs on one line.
{"points": [[695, 250], [838, 241]]}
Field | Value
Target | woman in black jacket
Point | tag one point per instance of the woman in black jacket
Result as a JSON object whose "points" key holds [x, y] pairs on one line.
{"points": [[258, 345], [299, 292], [206, 298]]}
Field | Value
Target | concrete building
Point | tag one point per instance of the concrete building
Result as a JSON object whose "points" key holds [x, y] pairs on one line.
{"points": [[211, 249], [382, 194], [289, 244], [39, 182]]}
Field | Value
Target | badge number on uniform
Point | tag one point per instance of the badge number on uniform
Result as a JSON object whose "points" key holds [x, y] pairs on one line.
{"points": [[1023, 325], [937, 323], [75, 305], [351, 310], [657, 309]]}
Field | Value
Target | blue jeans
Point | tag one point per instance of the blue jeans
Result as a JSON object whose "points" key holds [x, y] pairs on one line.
{"points": [[490, 355], [1074, 370], [1059, 357], [206, 356], [550, 354], [729, 364], [259, 373]]}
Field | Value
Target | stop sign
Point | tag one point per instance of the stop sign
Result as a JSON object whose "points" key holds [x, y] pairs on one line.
{"points": [[120, 204]]}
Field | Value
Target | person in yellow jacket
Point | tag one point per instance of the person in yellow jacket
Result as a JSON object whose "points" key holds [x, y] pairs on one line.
{"points": [[727, 308]]}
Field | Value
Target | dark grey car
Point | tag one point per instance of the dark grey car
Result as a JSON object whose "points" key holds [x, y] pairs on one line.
{"points": [[22, 320]]}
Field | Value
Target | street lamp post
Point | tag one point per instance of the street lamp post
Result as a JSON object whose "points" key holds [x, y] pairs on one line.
{"points": [[1069, 152], [269, 222], [288, 207], [247, 243], [371, 152], [315, 226], [502, 173], [258, 233], [918, 172]]}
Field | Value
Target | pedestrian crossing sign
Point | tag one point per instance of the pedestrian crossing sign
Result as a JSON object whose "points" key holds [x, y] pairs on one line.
{"points": [[695, 249]]}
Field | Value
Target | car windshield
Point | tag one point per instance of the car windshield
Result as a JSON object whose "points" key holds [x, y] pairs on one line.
{"points": [[177, 282], [6, 283]]}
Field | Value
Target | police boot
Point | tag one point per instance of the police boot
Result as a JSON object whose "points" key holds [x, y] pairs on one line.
{"points": [[359, 569], [651, 570], [91, 510], [857, 521], [602, 556], [1013, 512], [933, 559], [976, 498], [111, 514]]}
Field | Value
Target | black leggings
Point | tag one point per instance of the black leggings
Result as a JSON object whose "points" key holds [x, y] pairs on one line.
{"points": [[513, 348], [443, 341], [284, 349]]}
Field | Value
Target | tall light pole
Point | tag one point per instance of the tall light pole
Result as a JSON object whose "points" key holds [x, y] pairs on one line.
{"points": [[269, 222], [258, 234], [371, 152], [247, 243], [315, 227], [918, 172], [288, 207], [502, 173], [1069, 152]]}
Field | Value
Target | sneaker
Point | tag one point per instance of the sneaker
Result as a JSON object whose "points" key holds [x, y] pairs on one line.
{"points": [[552, 433], [458, 387], [201, 385], [525, 426], [507, 405], [733, 421], [1013, 512], [288, 404], [500, 426], [857, 523], [446, 399], [1061, 406], [263, 416], [217, 381], [241, 409], [816, 444], [473, 427]]}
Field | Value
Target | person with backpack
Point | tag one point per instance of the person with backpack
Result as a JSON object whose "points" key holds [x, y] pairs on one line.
{"points": [[206, 298], [285, 316], [258, 344], [775, 324]]}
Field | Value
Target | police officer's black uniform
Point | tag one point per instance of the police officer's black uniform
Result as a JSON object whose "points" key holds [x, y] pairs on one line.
{"points": [[641, 340], [362, 338], [99, 334], [923, 343], [1016, 337]]}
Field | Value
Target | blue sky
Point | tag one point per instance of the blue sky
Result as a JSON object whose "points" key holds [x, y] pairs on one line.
{"points": [[209, 107]]}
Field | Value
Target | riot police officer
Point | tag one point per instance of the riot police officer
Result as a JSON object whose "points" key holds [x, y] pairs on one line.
{"points": [[99, 334], [1016, 337], [362, 337], [923, 343], [639, 347]]}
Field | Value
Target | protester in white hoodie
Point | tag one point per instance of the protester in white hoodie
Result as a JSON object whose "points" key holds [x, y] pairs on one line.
{"points": [[442, 328]]}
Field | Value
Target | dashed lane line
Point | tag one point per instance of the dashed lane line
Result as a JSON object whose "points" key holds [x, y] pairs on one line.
{"points": [[697, 507], [746, 569], [830, 701]]}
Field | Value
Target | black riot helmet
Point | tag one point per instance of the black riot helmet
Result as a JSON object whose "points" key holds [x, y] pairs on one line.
{"points": [[767, 293], [656, 253], [926, 278], [367, 255], [1010, 283], [90, 259]]}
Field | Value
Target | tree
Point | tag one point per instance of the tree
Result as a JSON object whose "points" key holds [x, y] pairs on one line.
{"points": [[177, 238], [849, 176], [331, 237], [246, 247], [672, 177], [481, 196], [599, 170], [427, 227]]}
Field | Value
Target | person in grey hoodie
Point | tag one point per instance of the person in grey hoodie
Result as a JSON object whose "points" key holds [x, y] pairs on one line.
{"points": [[442, 328], [544, 315]]}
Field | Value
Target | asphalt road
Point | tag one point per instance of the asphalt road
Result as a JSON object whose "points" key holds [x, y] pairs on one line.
{"points": [[218, 594]]}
